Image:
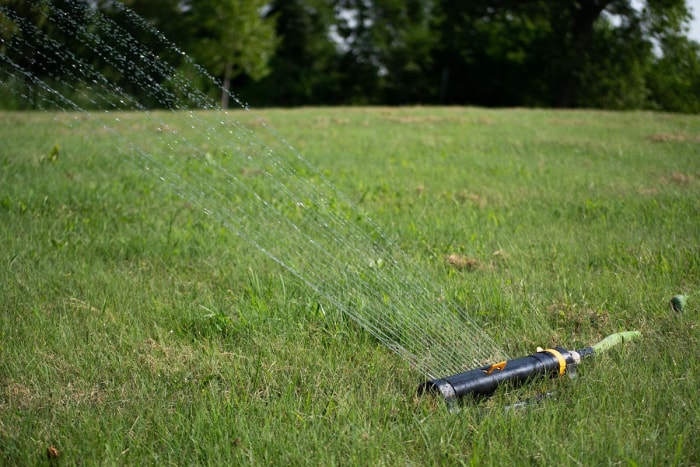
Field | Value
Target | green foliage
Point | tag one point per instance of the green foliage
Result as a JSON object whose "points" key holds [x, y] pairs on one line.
{"points": [[234, 32], [230, 38], [616, 61], [304, 69], [674, 77], [592, 54]]}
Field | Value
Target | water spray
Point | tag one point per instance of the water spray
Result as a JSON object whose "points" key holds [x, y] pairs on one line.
{"points": [[252, 182], [287, 209], [554, 362]]}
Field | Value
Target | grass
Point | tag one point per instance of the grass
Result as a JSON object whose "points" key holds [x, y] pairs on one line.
{"points": [[136, 330]]}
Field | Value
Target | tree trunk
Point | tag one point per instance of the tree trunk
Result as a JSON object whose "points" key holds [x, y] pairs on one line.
{"points": [[584, 14], [226, 85]]}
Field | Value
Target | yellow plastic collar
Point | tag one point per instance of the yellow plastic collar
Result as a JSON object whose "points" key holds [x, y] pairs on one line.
{"points": [[562, 360]]}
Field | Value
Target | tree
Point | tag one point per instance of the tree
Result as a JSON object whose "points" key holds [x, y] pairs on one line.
{"points": [[584, 53], [674, 77], [231, 37], [403, 40], [602, 55], [305, 64], [576, 53], [500, 53], [385, 49]]}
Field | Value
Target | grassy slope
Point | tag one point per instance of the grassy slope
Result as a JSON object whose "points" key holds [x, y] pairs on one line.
{"points": [[136, 330]]}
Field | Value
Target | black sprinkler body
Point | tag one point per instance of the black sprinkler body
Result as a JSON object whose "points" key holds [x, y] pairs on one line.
{"points": [[485, 380]]}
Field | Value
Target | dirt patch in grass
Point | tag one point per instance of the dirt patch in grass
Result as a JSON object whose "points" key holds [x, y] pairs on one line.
{"points": [[674, 178], [74, 395], [20, 396], [462, 197], [16, 395], [466, 263], [162, 359], [463, 262], [673, 137], [678, 178], [646, 191], [325, 122], [582, 321], [569, 121], [473, 198]]}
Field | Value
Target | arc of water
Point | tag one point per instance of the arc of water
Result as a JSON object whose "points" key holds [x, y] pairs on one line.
{"points": [[322, 238]]}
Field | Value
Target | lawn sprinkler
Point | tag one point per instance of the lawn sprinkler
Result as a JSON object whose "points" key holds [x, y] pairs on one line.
{"points": [[483, 382]]}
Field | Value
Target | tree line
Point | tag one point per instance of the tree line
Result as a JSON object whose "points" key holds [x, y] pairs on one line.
{"points": [[613, 54]]}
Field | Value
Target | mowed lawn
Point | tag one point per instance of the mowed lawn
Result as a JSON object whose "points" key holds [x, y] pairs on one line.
{"points": [[135, 329]]}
